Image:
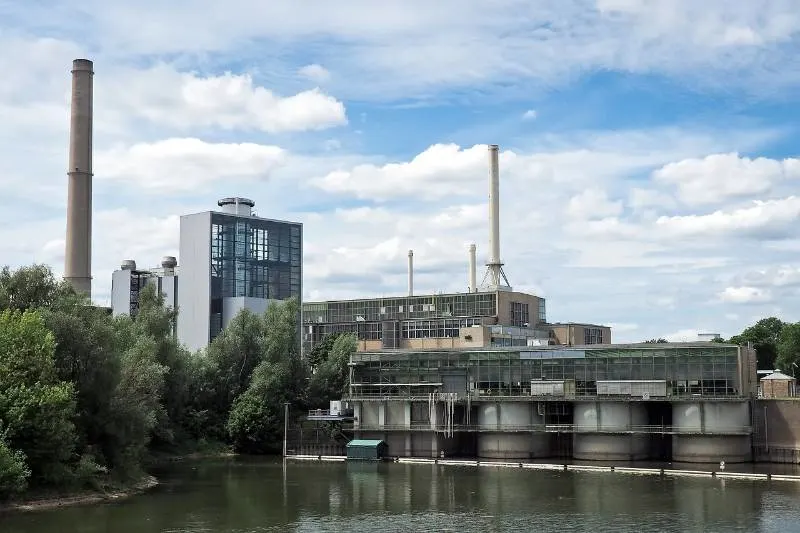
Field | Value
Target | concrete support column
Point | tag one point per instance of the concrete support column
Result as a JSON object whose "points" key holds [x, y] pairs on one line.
{"points": [[357, 415], [382, 414]]}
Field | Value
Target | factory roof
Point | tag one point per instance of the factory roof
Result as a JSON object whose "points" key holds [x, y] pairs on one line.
{"points": [[558, 347]]}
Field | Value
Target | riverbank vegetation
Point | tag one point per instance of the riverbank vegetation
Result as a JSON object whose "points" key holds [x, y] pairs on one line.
{"points": [[87, 399]]}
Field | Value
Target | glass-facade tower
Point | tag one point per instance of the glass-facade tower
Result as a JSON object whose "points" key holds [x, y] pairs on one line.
{"points": [[231, 260], [252, 258]]}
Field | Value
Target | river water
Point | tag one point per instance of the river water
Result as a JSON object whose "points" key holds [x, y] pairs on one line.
{"points": [[248, 496]]}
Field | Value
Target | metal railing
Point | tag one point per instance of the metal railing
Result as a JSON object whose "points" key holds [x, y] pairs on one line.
{"points": [[551, 397], [559, 428], [327, 412]]}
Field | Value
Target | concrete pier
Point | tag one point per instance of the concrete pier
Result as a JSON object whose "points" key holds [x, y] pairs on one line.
{"points": [[511, 441], [706, 432], [604, 431]]}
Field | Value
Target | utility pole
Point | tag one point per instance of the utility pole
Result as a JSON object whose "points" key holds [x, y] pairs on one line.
{"points": [[285, 425]]}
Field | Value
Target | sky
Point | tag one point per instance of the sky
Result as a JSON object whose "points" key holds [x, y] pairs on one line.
{"points": [[648, 157]]}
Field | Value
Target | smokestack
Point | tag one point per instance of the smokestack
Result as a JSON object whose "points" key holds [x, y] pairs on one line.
{"points": [[78, 253], [494, 272], [411, 272], [494, 205], [473, 283]]}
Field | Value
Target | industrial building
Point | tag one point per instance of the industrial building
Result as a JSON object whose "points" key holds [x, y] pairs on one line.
{"points": [[230, 260], [489, 315], [128, 281], [685, 402], [461, 320]]}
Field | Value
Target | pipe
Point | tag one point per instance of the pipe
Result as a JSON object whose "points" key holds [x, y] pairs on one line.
{"points": [[494, 205], [411, 272], [78, 252], [473, 280]]}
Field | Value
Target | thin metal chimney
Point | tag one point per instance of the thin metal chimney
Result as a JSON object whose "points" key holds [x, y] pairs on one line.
{"points": [[495, 276], [78, 252], [473, 281], [411, 272]]}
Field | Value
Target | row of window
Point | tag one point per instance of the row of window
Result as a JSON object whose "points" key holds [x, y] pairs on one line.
{"points": [[463, 305]]}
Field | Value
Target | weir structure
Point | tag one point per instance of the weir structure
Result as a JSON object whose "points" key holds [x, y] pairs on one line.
{"points": [[78, 242], [686, 402]]}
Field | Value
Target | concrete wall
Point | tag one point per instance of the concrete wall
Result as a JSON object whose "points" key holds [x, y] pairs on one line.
{"points": [[776, 430], [232, 306], [121, 292], [504, 300], [194, 298], [574, 334]]}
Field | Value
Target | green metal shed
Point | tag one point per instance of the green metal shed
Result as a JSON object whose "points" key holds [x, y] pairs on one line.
{"points": [[366, 450]]}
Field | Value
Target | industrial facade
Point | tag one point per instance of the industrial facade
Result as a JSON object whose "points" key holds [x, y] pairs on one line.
{"points": [[461, 320], [681, 402], [229, 260], [128, 282]]}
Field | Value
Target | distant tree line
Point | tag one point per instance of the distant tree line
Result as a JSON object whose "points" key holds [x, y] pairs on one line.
{"points": [[87, 399], [777, 343]]}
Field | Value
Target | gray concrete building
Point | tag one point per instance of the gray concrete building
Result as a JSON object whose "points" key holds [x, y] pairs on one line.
{"points": [[230, 260], [129, 280], [233, 260]]}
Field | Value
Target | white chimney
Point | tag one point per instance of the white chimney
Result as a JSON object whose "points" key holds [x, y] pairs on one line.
{"points": [[473, 283], [411, 272], [496, 277]]}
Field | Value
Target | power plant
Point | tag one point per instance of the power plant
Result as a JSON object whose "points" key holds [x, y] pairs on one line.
{"points": [[78, 252], [480, 372]]}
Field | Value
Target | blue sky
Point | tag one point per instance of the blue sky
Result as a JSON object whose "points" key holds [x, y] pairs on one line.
{"points": [[649, 177]]}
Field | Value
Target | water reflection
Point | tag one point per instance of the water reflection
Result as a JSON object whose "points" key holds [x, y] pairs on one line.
{"points": [[249, 496]]}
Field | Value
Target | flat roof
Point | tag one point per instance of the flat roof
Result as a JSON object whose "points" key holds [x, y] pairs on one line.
{"points": [[556, 347], [429, 295], [578, 324], [234, 215]]}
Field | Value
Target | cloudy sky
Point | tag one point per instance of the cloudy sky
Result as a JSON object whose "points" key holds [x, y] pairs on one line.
{"points": [[649, 177]]}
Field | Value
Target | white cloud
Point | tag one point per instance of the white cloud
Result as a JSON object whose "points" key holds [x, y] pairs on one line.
{"points": [[530, 114], [764, 219], [314, 72], [593, 204], [718, 177], [441, 170], [745, 295], [423, 48], [185, 101], [186, 164]]}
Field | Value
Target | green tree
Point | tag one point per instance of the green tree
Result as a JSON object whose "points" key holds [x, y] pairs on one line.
{"points": [[156, 322], [14, 471], [36, 408], [656, 341], [224, 371], [764, 335], [255, 423], [136, 405], [319, 352], [32, 287], [788, 349], [330, 379]]}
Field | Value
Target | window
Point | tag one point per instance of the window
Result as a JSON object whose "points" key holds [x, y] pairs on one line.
{"points": [[592, 335], [519, 314]]}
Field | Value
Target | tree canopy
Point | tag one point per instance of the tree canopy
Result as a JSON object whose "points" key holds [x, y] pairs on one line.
{"points": [[86, 398]]}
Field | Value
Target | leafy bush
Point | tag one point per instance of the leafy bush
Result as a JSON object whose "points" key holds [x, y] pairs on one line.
{"points": [[14, 472]]}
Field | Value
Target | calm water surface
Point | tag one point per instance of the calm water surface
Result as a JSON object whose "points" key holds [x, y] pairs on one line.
{"points": [[245, 496]]}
